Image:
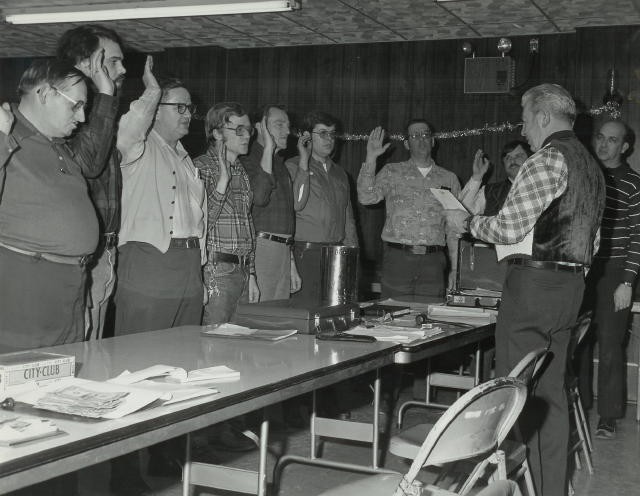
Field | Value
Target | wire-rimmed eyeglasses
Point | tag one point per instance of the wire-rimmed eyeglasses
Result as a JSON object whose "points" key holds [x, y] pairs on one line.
{"points": [[77, 105]]}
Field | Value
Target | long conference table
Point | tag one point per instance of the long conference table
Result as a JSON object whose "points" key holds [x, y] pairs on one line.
{"points": [[270, 372]]}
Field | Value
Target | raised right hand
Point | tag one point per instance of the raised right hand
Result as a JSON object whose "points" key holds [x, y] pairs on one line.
{"points": [[6, 118], [149, 80], [304, 149], [480, 165]]}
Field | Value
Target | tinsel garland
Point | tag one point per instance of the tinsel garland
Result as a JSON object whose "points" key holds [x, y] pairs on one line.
{"points": [[611, 108]]}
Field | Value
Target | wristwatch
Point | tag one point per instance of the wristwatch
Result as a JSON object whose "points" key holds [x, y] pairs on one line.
{"points": [[627, 284]]}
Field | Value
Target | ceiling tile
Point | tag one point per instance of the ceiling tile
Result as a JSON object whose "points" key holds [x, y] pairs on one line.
{"points": [[331, 15], [522, 28], [308, 38], [192, 27], [372, 36], [437, 32], [483, 11], [404, 13]]}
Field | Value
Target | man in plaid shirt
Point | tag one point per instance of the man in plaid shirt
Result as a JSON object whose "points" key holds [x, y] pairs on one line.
{"points": [[547, 229]]}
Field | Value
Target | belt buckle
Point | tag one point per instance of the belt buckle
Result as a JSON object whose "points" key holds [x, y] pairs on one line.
{"points": [[289, 241], [84, 260], [418, 250]]}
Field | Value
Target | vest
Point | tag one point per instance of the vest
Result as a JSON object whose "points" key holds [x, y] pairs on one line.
{"points": [[566, 229], [495, 194]]}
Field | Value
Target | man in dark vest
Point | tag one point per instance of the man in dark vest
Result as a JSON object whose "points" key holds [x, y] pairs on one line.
{"points": [[487, 199], [548, 225]]}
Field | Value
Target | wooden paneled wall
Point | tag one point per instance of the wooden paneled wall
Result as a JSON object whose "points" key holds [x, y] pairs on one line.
{"points": [[388, 83]]}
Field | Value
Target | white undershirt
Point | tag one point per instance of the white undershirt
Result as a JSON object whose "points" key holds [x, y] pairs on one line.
{"points": [[425, 170]]}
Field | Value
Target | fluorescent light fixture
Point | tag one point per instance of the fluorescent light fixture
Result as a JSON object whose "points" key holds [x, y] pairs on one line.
{"points": [[144, 10]]}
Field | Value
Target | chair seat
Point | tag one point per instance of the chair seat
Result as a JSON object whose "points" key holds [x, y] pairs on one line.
{"points": [[382, 484], [406, 443]]}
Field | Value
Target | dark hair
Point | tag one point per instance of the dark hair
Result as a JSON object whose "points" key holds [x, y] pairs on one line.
{"points": [[263, 111], [167, 83], [219, 115], [418, 121], [315, 117], [79, 43], [512, 145], [52, 71]]}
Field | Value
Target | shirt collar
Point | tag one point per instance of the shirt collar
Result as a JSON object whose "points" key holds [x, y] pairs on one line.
{"points": [[619, 171], [559, 135], [178, 150]]}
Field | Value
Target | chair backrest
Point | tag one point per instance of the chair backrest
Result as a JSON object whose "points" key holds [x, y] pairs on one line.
{"points": [[528, 369], [471, 427]]}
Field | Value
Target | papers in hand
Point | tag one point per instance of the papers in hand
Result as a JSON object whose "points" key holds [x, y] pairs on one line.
{"points": [[447, 200], [240, 332], [91, 399], [16, 430]]}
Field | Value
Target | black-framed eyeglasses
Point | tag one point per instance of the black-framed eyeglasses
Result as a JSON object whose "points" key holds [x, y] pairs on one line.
{"points": [[241, 130], [182, 107], [421, 136], [77, 105], [326, 135]]}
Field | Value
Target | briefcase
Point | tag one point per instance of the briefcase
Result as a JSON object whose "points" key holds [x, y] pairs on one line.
{"points": [[479, 276], [306, 319]]}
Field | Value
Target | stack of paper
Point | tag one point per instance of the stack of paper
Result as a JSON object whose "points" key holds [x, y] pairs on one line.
{"points": [[466, 315], [237, 331], [177, 375]]}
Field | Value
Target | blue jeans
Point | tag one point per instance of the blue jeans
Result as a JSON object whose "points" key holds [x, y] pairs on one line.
{"points": [[228, 285]]}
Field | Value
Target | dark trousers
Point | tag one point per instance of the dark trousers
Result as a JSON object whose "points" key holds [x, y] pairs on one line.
{"points": [[41, 302], [157, 290], [609, 329], [404, 273], [537, 308], [309, 263]]}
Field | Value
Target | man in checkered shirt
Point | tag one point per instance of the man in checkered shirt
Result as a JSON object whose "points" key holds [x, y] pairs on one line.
{"points": [[548, 226]]}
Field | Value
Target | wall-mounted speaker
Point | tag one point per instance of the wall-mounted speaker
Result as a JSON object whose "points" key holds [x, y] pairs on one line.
{"points": [[489, 74]]}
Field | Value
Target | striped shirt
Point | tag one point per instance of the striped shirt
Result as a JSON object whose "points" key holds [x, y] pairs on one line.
{"points": [[620, 230]]}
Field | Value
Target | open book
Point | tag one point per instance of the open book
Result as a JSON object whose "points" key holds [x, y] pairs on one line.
{"points": [[177, 375]]}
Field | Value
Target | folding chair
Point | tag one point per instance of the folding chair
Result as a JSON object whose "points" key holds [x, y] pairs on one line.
{"points": [[407, 442], [468, 429]]}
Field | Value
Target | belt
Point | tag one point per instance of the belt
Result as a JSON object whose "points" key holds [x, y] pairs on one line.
{"points": [[555, 266], [417, 249], [278, 239], [307, 245], [219, 256], [110, 240], [50, 257], [184, 243]]}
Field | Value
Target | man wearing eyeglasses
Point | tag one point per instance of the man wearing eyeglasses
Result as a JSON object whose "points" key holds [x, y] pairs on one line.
{"points": [[324, 215], [273, 205], [163, 229], [48, 227], [230, 270], [103, 175], [414, 260]]}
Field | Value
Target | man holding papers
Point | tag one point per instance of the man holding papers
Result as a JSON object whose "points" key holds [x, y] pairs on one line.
{"points": [[553, 210], [414, 260]]}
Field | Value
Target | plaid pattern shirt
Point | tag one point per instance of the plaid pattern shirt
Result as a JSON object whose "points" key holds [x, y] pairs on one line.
{"points": [[541, 179], [230, 225]]}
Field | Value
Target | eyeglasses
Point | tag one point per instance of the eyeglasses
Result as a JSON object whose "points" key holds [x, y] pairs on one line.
{"points": [[326, 135], [420, 136], [182, 107], [241, 130], [77, 105]]}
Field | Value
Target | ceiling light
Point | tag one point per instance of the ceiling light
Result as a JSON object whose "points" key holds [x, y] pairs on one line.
{"points": [[174, 8]]}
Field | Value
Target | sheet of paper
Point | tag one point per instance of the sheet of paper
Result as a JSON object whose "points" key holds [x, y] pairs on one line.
{"points": [[174, 393], [447, 200], [140, 375], [91, 399], [16, 430]]}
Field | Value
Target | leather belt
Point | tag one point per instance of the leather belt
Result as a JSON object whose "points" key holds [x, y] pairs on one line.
{"points": [[184, 243], [50, 257], [417, 249], [555, 266], [278, 239], [308, 245], [110, 240], [219, 256]]}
